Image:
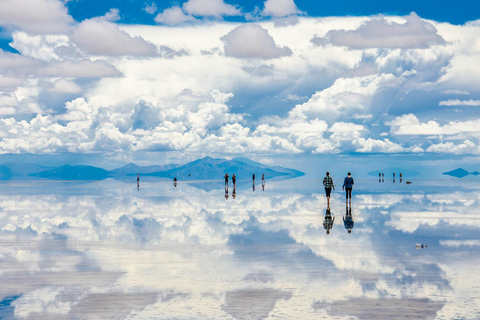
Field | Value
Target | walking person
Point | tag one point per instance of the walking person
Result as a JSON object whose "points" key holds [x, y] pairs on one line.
{"points": [[328, 184], [348, 186]]}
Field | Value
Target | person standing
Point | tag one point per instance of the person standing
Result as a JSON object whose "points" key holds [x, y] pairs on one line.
{"points": [[328, 184], [226, 180], [234, 180], [348, 186]]}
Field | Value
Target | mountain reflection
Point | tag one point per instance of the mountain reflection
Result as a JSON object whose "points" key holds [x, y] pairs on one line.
{"points": [[105, 250]]}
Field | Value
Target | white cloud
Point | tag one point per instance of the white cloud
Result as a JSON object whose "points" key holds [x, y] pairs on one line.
{"points": [[112, 15], [459, 243], [467, 147], [381, 146], [100, 37], [279, 8], [345, 96], [65, 86], [380, 33], [455, 91], [409, 124], [151, 8], [35, 16], [173, 16], [210, 8], [252, 41], [457, 102], [79, 69]]}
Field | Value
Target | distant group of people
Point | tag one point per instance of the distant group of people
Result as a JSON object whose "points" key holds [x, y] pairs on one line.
{"points": [[328, 184], [234, 181]]}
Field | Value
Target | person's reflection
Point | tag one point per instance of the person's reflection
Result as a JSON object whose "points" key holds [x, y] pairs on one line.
{"points": [[226, 193], [253, 185], [328, 221], [234, 193], [348, 219]]}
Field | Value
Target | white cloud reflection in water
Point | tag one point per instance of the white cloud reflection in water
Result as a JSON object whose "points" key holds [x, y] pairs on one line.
{"points": [[106, 250]]}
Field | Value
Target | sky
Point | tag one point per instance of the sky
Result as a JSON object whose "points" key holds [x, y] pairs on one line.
{"points": [[155, 81]]}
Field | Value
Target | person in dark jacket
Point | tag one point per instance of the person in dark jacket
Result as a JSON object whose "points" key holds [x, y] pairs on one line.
{"points": [[348, 186], [348, 220]]}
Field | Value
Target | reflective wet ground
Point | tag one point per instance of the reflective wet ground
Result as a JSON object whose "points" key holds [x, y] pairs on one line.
{"points": [[107, 251]]}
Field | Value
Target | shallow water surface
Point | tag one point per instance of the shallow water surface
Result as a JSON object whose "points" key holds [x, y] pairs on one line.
{"points": [[106, 250]]}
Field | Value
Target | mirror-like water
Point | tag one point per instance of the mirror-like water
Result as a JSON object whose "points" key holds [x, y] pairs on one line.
{"points": [[107, 251]]}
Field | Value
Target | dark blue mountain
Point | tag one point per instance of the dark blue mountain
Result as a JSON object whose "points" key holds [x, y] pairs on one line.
{"points": [[460, 173], [68, 172], [214, 169], [19, 171], [132, 169]]}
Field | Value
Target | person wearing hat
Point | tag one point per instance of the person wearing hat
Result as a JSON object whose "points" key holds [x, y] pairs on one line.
{"points": [[348, 186]]}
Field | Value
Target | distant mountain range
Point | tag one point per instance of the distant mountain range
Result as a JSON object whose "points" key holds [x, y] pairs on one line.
{"points": [[460, 173], [202, 169]]}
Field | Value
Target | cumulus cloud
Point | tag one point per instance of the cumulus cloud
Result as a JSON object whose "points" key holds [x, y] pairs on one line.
{"points": [[79, 69], [101, 37], [35, 16], [173, 16], [151, 8], [380, 33], [456, 102], [378, 146], [279, 8], [210, 8], [65, 86], [252, 41], [466, 146], [346, 95], [409, 124]]}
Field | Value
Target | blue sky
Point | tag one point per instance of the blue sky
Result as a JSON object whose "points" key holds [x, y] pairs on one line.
{"points": [[444, 11], [173, 81]]}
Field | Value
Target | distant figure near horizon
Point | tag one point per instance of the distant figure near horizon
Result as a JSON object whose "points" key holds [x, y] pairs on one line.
{"points": [[383, 177], [263, 182], [328, 184], [328, 221], [401, 177], [348, 186], [138, 182], [379, 177], [253, 178], [394, 177], [234, 180], [175, 182], [226, 181]]}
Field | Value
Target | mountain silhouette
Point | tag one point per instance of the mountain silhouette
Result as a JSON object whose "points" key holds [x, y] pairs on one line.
{"points": [[19, 171], [202, 169], [460, 173], [68, 172], [214, 169]]}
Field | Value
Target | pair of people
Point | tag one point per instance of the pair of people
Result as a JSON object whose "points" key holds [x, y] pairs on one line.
{"points": [[347, 186], [234, 180]]}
